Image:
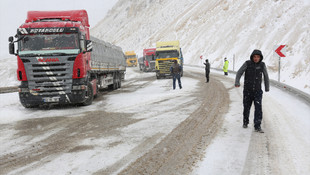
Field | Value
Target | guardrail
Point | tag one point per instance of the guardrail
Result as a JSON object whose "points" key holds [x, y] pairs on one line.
{"points": [[8, 89]]}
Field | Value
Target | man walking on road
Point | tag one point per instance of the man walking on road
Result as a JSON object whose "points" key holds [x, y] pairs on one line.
{"points": [[207, 68], [252, 91], [176, 70], [225, 67]]}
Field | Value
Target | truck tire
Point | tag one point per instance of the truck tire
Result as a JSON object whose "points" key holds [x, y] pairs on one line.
{"points": [[115, 83], [119, 81], [97, 91], [158, 76], [89, 96]]}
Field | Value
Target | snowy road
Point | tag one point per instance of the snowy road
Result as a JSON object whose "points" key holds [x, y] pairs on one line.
{"points": [[282, 149], [147, 128], [144, 117]]}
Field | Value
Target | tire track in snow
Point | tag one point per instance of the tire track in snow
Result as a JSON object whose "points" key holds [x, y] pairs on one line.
{"points": [[178, 152]]}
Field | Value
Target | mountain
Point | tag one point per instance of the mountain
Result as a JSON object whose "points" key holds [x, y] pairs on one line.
{"points": [[218, 29]]}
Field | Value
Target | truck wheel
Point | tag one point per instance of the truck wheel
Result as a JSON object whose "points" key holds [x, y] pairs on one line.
{"points": [[89, 96], [158, 75], [119, 81], [115, 83], [97, 91]]}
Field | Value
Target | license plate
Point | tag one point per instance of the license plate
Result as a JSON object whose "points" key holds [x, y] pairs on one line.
{"points": [[51, 99]]}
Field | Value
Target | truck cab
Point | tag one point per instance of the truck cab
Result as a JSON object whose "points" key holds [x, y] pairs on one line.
{"points": [[166, 53], [54, 60], [149, 60], [131, 58]]}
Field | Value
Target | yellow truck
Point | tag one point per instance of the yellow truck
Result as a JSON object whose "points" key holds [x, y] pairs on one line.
{"points": [[131, 58], [166, 53]]}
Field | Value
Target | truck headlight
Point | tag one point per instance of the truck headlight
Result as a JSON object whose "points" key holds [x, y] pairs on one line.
{"points": [[23, 90], [79, 87]]}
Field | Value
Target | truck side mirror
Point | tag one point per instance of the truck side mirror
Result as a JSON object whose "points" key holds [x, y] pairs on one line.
{"points": [[11, 45], [89, 46], [11, 48]]}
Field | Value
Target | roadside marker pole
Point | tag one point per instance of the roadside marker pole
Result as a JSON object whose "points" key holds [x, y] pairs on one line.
{"points": [[279, 71], [234, 63], [278, 51]]}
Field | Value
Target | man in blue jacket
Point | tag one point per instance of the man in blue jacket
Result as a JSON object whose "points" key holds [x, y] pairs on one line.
{"points": [[252, 91]]}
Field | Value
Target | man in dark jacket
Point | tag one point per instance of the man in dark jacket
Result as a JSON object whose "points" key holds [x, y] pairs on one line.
{"points": [[207, 68], [252, 92], [176, 70]]}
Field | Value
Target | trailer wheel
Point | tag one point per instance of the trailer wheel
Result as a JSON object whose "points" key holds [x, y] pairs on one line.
{"points": [[119, 81], [115, 83], [89, 96]]}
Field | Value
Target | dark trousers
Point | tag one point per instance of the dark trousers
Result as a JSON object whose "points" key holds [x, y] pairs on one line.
{"points": [[207, 76], [248, 98], [174, 77]]}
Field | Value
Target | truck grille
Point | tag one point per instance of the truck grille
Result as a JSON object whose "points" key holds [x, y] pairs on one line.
{"points": [[50, 79], [164, 66]]}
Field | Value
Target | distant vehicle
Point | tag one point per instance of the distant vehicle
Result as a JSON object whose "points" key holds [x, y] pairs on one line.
{"points": [[166, 53], [131, 58], [59, 64], [141, 63], [149, 60]]}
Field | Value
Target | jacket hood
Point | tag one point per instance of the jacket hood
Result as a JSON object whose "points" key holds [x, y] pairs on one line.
{"points": [[257, 52]]}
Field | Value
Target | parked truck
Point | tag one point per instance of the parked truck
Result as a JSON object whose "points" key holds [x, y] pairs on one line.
{"points": [[60, 63], [148, 64], [166, 53], [131, 58]]}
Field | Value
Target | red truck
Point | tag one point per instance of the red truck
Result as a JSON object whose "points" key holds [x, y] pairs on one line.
{"points": [[148, 64], [60, 63]]}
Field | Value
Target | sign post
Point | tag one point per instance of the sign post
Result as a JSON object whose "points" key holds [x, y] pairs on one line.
{"points": [[234, 63], [281, 54]]}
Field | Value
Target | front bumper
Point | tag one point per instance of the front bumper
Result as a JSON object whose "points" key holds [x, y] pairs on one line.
{"points": [[77, 96]]}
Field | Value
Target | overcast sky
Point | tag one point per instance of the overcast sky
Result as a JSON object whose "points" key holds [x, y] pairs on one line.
{"points": [[14, 12]]}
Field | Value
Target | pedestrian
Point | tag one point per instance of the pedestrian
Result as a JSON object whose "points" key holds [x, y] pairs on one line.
{"points": [[207, 68], [225, 67], [252, 90], [176, 70]]}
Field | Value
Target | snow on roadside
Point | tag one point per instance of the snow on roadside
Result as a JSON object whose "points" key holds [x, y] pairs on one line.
{"points": [[288, 120], [227, 152], [284, 112], [8, 69]]}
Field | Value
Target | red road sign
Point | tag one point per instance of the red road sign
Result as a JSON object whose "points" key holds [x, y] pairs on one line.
{"points": [[278, 50]]}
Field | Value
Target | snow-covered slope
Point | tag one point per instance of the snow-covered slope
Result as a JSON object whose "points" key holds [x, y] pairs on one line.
{"points": [[218, 29]]}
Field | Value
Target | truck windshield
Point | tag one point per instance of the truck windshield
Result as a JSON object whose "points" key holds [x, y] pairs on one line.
{"points": [[130, 56], [150, 57], [167, 54], [49, 44]]}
